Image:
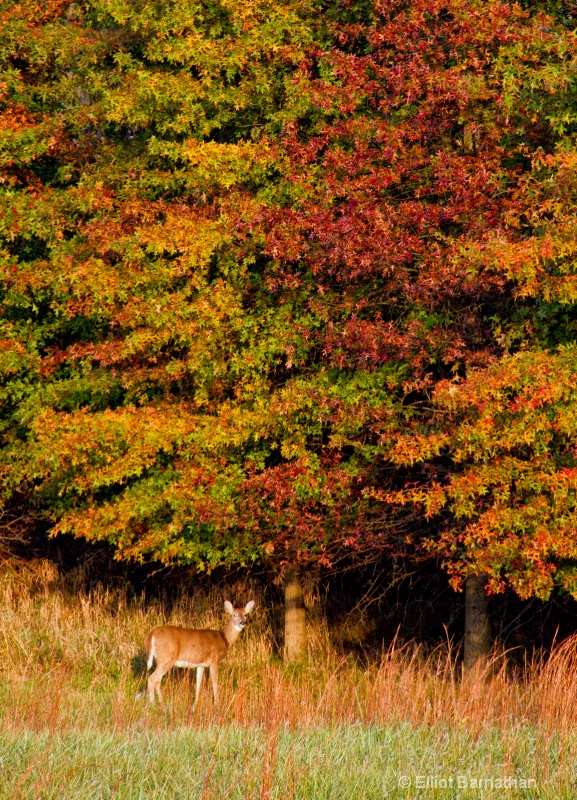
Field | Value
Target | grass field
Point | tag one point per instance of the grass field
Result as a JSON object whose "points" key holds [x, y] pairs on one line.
{"points": [[402, 725]]}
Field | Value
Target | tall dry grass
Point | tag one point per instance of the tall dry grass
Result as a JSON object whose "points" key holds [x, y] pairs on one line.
{"points": [[72, 660]]}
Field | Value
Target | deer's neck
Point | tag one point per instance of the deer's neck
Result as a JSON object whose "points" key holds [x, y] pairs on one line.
{"points": [[230, 633]]}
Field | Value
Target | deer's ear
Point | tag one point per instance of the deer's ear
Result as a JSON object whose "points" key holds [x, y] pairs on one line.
{"points": [[249, 607], [228, 607]]}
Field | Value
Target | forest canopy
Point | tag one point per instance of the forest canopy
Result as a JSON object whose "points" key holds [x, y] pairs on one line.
{"points": [[293, 282]]}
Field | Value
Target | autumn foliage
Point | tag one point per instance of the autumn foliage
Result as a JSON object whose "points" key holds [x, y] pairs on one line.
{"points": [[292, 281]]}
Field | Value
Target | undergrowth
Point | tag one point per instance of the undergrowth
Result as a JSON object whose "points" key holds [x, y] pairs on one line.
{"points": [[71, 725]]}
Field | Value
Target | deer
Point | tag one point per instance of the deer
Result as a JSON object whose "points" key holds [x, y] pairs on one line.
{"points": [[173, 646]]}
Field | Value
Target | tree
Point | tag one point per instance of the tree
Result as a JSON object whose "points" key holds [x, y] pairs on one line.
{"points": [[408, 201], [243, 243], [499, 442], [124, 313], [137, 345]]}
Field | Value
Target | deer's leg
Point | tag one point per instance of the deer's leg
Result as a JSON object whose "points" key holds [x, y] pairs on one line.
{"points": [[154, 680], [199, 674], [214, 678]]}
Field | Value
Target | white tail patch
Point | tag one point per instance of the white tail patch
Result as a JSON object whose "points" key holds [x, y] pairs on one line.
{"points": [[152, 655]]}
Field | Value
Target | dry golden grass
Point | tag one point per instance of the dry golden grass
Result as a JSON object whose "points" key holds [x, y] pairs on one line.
{"points": [[71, 660]]}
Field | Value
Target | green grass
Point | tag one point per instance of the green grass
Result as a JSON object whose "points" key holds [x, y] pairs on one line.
{"points": [[354, 761]]}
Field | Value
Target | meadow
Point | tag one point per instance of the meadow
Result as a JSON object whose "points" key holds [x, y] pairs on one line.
{"points": [[399, 724]]}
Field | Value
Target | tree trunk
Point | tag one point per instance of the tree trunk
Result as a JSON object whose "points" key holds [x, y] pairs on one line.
{"points": [[295, 631], [477, 635]]}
